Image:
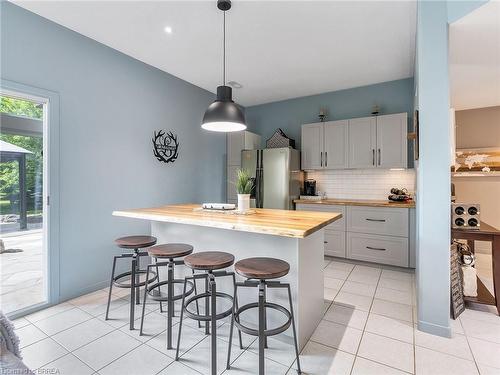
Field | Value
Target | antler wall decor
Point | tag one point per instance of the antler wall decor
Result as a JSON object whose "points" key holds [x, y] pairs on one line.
{"points": [[165, 146]]}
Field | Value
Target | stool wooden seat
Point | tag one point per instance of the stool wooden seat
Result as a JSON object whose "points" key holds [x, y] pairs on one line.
{"points": [[262, 268], [209, 260], [135, 242], [170, 250]]}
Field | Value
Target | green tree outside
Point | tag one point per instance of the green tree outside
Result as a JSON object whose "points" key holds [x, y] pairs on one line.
{"points": [[9, 171]]}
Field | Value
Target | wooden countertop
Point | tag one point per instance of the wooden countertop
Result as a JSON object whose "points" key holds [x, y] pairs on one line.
{"points": [[358, 202], [285, 223]]}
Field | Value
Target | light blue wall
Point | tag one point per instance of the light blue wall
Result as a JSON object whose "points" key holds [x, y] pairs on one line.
{"points": [[109, 106], [433, 168], [289, 115]]}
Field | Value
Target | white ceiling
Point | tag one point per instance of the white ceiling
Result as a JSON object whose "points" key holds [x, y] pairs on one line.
{"points": [[276, 49], [475, 58]]}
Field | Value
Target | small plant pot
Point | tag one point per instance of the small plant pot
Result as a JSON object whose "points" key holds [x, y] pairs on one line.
{"points": [[243, 202]]}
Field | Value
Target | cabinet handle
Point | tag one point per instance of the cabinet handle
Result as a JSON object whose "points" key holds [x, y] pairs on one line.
{"points": [[379, 158], [375, 248], [321, 157], [380, 220], [373, 156], [325, 241], [326, 158]]}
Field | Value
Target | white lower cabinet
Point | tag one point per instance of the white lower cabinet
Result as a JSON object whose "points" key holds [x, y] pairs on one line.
{"points": [[379, 249], [372, 234], [335, 243]]}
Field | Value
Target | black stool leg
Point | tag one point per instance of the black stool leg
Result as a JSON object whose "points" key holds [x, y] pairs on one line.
{"points": [[228, 364], [265, 316], [262, 317], [170, 302], [213, 302], [235, 304], [207, 307], [144, 299], [180, 322], [111, 286], [294, 331], [159, 287], [138, 288], [196, 293], [132, 290]]}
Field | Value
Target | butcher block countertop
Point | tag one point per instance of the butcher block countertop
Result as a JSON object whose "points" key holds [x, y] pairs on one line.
{"points": [[358, 202], [285, 223]]}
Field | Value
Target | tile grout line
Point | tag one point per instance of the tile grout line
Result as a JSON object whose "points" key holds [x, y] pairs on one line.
{"points": [[366, 323]]}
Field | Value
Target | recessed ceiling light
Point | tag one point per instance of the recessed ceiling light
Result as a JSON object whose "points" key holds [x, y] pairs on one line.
{"points": [[235, 85], [168, 29]]}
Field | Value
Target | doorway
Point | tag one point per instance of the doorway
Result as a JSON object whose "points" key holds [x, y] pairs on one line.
{"points": [[24, 224]]}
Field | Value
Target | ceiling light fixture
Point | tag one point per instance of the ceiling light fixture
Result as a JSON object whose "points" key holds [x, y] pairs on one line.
{"points": [[168, 29], [223, 115]]}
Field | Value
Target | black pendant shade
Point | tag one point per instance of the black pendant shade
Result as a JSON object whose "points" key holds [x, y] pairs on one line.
{"points": [[223, 115]]}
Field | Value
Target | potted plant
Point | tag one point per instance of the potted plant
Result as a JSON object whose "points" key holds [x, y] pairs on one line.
{"points": [[244, 185]]}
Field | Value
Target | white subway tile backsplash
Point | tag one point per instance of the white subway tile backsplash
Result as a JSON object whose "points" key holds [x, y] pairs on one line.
{"points": [[362, 183]]}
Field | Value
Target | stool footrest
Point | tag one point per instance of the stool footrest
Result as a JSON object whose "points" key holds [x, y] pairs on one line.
{"points": [[207, 318], [163, 297], [267, 332], [118, 284]]}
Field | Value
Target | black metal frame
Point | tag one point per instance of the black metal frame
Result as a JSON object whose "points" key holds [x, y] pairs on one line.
{"points": [[263, 332], [134, 285], [210, 316], [169, 297]]}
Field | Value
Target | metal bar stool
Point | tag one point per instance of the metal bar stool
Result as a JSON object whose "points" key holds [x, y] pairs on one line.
{"points": [[210, 262], [170, 252], [257, 271], [134, 243]]}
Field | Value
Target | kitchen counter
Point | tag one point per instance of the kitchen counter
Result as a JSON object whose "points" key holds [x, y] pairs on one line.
{"points": [[283, 223], [296, 237], [358, 202]]}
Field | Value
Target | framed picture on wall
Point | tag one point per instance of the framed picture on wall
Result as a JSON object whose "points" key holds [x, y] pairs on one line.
{"points": [[414, 135]]}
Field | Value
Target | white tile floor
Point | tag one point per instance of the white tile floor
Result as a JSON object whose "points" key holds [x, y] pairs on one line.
{"points": [[368, 328]]}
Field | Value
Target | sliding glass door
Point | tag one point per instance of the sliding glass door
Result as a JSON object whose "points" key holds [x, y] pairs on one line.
{"points": [[23, 213]]}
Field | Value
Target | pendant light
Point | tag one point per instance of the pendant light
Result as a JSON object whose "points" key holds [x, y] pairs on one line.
{"points": [[223, 115]]}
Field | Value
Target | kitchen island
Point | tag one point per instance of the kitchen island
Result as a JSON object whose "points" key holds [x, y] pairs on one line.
{"points": [[294, 236]]}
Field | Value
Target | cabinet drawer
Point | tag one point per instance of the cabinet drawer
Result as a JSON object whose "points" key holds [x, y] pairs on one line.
{"points": [[336, 225], [335, 243], [378, 249], [378, 220]]}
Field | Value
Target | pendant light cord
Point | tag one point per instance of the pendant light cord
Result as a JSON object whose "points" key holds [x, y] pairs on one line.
{"points": [[224, 53]]}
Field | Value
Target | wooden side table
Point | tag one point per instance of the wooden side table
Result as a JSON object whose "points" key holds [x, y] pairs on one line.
{"points": [[490, 234]]}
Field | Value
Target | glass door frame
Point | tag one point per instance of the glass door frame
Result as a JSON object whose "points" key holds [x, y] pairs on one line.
{"points": [[50, 101]]}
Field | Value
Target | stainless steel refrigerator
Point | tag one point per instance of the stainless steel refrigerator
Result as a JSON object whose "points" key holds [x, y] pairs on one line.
{"points": [[277, 176]]}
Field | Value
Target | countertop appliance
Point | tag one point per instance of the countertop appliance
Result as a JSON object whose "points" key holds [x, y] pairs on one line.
{"points": [[310, 187], [277, 175], [465, 215]]}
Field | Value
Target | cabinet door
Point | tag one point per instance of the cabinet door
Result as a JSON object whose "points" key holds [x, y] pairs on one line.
{"points": [[392, 141], [362, 142], [230, 185], [335, 244], [335, 144], [235, 143], [312, 146], [378, 249], [252, 141]]}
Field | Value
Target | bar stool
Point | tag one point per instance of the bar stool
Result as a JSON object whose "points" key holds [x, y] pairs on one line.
{"points": [[212, 263], [169, 252], [134, 243], [257, 271]]}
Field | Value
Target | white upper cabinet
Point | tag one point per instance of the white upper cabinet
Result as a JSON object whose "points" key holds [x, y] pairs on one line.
{"points": [[362, 142], [238, 141], [312, 146], [359, 143], [335, 144], [324, 145], [392, 141]]}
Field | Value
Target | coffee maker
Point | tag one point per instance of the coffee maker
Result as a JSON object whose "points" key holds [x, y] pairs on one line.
{"points": [[310, 187]]}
